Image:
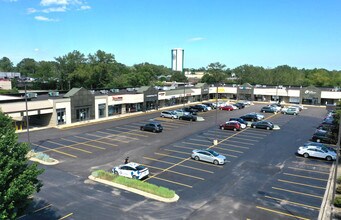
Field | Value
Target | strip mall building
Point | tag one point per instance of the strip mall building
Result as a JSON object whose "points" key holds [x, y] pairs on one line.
{"points": [[79, 104]]}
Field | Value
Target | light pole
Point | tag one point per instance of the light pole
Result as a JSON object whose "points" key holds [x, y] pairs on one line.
{"points": [[337, 160], [215, 141], [27, 120]]}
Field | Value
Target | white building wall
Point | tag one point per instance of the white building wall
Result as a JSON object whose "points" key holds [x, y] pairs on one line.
{"points": [[330, 95], [125, 99], [177, 59], [100, 100], [58, 104]]}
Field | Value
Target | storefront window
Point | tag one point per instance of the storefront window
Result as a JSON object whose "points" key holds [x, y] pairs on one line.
{"points": [[114, 110], [82, 114], [101, 110], [61, 116], [133, 107]]}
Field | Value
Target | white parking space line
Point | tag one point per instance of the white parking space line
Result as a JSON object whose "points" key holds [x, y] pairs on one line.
{"points": [[310, 171]]}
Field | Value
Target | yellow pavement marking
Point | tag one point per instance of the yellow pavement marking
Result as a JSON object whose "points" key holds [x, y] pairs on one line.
{"points": [[102, 142], [193, 168], [204, 145], [84, 143], [296, 192], [130, 131], [246, 139], [311, 164], [45, 207], [301, 184], [241, 143], [193, 139], [230, 145], [101, 137], [85, 151], [61, 152], [171, 171], [307, 170], [306, 177], [158, 178], [64, 217], [114, 135], [282, 213], [181, 158], [294, 203]]}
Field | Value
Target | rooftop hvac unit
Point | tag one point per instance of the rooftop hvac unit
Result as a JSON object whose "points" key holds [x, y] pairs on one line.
{"points": [[31, 95], [114, 90], [53, 94]]}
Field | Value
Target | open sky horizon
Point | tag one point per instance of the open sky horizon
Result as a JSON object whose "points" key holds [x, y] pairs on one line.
{"points": [[268, 33]]}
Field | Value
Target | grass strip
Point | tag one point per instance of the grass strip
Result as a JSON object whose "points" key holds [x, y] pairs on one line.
{"points": [[133, 183]]}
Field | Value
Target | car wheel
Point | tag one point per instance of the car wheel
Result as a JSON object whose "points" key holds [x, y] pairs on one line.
{"points": [[196, 158], [142, 128], [222, 128], [267, 128], [305, 155], [253, 126], [154, 131], [215, 162], [318, 140], [295, 114], [235, 129], [115, 172], [162, 116], [329, 158], [263, 111], [284, 113], [134, 177]]}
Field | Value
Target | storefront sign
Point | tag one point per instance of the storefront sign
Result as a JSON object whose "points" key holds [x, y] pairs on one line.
{"points": [[162, 93], [188, 94], [117, 98], [310, 92]]}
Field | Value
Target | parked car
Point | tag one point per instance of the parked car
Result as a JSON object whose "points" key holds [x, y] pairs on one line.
{"points": [[188, 117], [277, 106], [231, 125], [206, 106], [210, 104], [191, 110], [180, 112], [269, 109], [316, 151], [152, 126], [208, 155], [240, 120], [252, 117], [227, 108], [290, 111], [323, 137], [239, 105], [200, 108], [300, 107], [263, 124], [168, 114], [131, 170], [320, 145]]}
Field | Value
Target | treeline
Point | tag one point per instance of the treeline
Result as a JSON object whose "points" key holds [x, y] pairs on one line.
{"points": [[101, 70]]}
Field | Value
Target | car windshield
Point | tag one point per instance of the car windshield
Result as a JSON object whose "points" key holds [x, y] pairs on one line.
{"points": [[213, 153], [140, 167]]}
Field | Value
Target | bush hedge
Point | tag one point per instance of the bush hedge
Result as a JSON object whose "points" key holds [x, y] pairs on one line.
{"points": [[337, 201], [338, 189], [338, 180], [136, 184]]}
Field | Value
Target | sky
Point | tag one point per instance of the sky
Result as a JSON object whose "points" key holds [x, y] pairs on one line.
{"points": [[268, 33]]}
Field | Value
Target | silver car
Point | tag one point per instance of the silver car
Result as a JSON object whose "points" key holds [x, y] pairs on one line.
{"points": [[316, 151], [168, 114], [208, 155]]}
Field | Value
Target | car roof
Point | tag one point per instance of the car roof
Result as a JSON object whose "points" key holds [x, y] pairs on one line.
{"points": [[131, 164]]}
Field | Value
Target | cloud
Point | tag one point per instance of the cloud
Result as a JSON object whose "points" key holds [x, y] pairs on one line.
{"points": [[84, 7], [56, 9], [42, 18], [54, 2], [31, 10], [36, 49], [196, 39]]}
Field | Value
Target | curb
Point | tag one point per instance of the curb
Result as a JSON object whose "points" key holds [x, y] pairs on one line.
{"points": [[44, 162], [326, 207], [136, 191]]}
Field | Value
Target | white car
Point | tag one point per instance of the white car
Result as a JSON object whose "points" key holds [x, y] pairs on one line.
{"points": [[241, 124], [316, 151], [208, 107], [180, 112], [131, 170], [168, 114]]}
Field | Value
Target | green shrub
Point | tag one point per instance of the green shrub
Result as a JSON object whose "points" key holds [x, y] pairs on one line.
{"points": [[136, 184], [338, 189], [337, 201]]}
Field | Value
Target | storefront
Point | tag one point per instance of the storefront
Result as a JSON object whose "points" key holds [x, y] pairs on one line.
{"points": [[150, 98], [82, 104], [310, 95], [245, 92]]}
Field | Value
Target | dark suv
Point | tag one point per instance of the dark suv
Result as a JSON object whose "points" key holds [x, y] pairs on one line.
{"points": [[240, 120], [324, 137], [152, 126], [191, 110], [199, 108], [251, 117]]}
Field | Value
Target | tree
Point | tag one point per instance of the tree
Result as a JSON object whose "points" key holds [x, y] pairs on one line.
{"points": [[27, 67], [214, 74], [6, 65], [178, 77], [18, 179]]}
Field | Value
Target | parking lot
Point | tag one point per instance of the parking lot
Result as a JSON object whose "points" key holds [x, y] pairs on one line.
{"points": [[262, 179]]}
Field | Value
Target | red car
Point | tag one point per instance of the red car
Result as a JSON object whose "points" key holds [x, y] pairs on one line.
{"points": [[227, 108], [231, 125]]}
